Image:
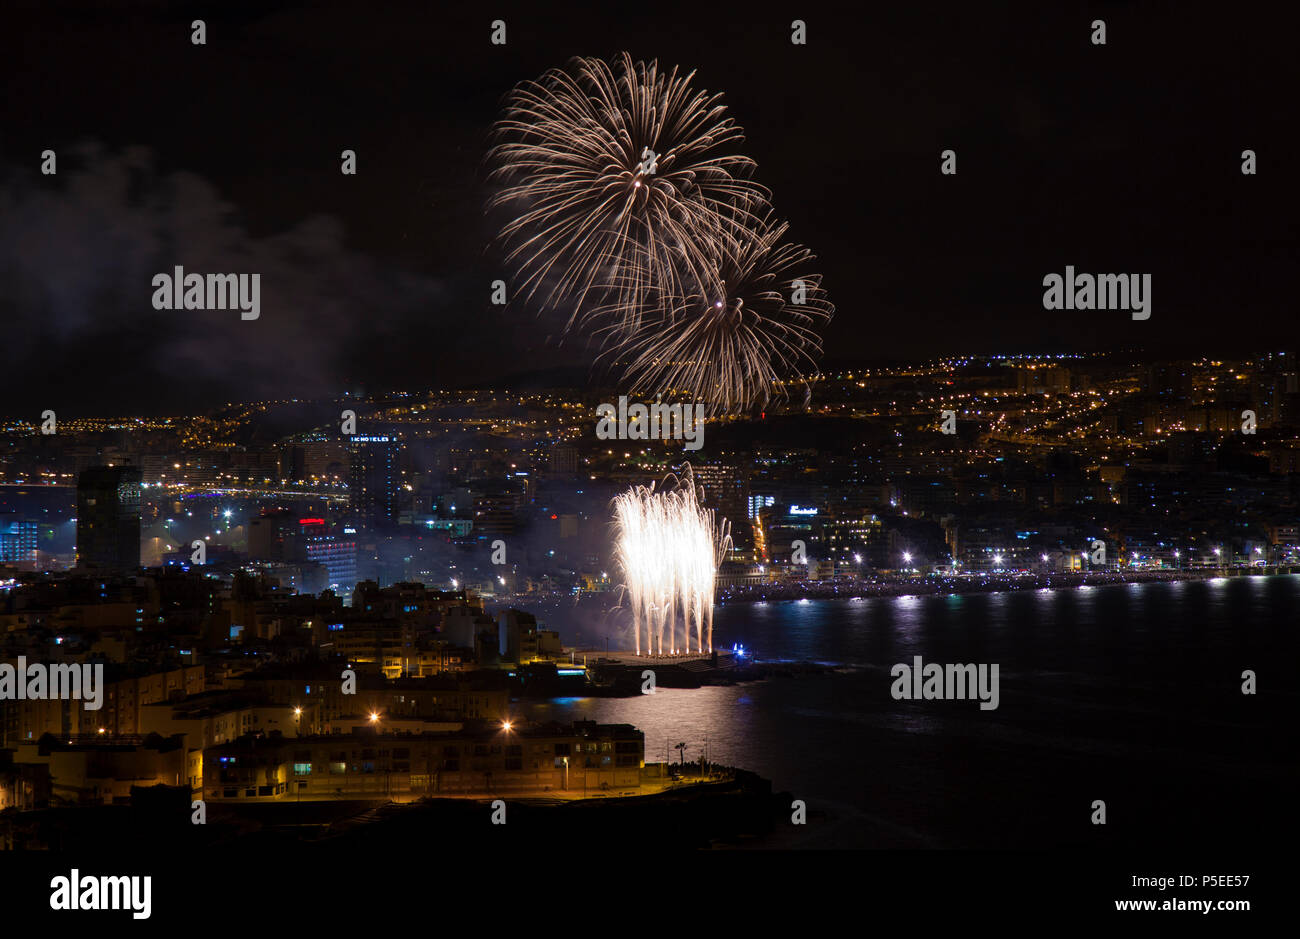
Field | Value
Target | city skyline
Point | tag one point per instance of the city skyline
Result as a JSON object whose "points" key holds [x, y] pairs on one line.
{"points": [[924, 458]]}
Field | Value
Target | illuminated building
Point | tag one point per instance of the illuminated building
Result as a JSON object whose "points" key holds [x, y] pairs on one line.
{"points": [[725, 488], [375, 480], [445, 697], [124, 695], [17, 539], [338, 555]]}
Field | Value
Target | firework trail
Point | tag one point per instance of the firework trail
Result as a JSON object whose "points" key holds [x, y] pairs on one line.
{"points": [[621, 178], [742, 337], [669, 548]]}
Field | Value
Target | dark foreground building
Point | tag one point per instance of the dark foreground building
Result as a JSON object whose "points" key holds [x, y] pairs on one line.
{"points": [[487, 757], [108, 518]]}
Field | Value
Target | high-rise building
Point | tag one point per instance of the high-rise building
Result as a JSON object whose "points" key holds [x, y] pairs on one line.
{"points": [[725, 489], [267, 533], [17, 539], [108, 518], [337, 554], [1275, 395], [494, 514], [376, 479], [563, 461], [293, 463]]}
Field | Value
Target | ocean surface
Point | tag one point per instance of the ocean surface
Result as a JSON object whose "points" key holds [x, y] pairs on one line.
{"points": [[1127, 694]]}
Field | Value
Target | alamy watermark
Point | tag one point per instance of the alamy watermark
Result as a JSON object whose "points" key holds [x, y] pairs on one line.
{"points": [[651, 422], [935, 682], [75, 892], [1098, 292], [37, 682], [181, 291]]}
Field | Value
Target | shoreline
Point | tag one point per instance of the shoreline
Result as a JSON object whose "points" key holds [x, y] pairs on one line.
{"points": [[922, 586], [974, 584]]}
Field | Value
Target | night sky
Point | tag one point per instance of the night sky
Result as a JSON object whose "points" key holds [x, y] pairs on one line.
{"points": [[225, 157]]}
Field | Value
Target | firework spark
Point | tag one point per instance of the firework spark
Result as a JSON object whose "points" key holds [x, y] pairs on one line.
{"points": [[669, 548], [621, 178], [742, 337]]}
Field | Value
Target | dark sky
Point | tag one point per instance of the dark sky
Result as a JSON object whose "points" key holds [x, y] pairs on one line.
{"points": [[225, 157]]}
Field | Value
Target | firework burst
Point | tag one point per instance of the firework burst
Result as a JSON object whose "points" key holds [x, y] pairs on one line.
{"points": [[621, 178], [743, 336]]}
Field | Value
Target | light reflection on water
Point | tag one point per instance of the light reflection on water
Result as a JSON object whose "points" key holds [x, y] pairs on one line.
{"points": [[1147, 674]]}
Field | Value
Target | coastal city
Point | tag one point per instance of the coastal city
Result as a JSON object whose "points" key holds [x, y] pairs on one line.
{"points": [[673, 467], [290, 613]]}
